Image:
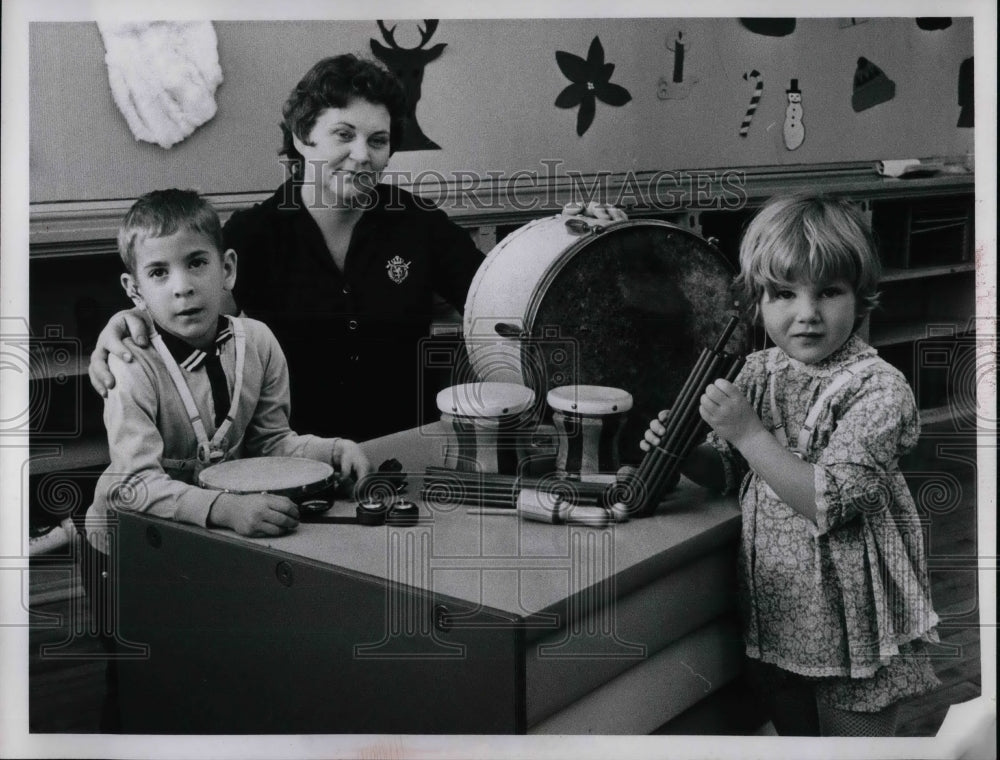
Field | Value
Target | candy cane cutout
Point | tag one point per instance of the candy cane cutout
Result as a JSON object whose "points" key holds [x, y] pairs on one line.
{"points": [[754, 100]]}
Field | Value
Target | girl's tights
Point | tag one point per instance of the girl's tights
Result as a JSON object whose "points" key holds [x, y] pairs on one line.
{"points": [[795, 711], [836, 722]]}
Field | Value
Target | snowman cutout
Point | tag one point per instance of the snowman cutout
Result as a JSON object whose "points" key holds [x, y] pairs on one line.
{"points": [[794, 129]]}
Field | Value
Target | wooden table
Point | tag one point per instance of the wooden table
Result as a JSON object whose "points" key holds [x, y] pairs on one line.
{"points": [[463, 623]]}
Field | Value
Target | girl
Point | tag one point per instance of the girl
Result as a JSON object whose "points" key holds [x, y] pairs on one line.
{"points": [[834, 592]]}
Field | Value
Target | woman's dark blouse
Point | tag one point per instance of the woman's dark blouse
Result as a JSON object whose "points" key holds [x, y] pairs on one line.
{"points": [[353, 339]]}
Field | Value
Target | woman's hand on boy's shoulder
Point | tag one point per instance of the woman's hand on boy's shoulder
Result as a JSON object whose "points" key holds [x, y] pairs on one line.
{"points": [[254, 515], [124, 333]]}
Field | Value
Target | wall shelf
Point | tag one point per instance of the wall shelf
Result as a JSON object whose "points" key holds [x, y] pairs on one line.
{"points": [[906, 333], [893, 274]]}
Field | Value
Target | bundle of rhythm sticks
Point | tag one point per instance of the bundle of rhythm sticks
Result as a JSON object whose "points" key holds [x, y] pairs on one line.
{"points": [[636, 494], [489, 490], [642, 491]]}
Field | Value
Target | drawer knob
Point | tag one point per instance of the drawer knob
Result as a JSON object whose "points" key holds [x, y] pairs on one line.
{"points": [[284, 572]]}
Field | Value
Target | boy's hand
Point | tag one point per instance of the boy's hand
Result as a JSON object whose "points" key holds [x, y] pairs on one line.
{"points": [[655, 432], [255, 514], [349, 460], [726, 409], [121, 335]]}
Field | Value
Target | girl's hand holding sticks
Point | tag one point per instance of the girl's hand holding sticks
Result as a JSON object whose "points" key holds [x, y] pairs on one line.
{"points": [[655, 432], [726, 409]]}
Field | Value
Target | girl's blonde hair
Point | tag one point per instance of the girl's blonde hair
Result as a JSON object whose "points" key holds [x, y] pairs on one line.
{"points": [[811, 238]]}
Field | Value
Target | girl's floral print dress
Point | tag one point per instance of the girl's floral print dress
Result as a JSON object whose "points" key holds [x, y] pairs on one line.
{"points": [[836, 599]]}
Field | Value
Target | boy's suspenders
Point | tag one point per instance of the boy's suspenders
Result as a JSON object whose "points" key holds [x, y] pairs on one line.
{"points": [[806, 432], [209, 452]]}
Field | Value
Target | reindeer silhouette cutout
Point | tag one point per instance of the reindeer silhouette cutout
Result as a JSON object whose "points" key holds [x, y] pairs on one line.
{"points": [[408, 64]]}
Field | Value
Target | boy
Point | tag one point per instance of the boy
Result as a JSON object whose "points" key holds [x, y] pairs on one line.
{"points": [[210, 388]]}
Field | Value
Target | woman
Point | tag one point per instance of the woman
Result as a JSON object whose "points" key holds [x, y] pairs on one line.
{"points": [[342, 268]]}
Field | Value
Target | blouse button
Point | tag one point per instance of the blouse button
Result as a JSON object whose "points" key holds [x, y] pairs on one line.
{"points": [[353, 324]]}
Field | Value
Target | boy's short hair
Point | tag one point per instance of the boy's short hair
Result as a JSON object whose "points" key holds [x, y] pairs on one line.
{"points": [[164, 212], [332, 83], [812, 237]]}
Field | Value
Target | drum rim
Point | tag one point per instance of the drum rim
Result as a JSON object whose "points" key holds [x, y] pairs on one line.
{"points": [[590, 406], [488, 411], [304, 489]]}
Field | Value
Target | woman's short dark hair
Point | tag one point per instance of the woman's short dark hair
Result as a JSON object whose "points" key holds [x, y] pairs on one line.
{"points": [[332, 83]]}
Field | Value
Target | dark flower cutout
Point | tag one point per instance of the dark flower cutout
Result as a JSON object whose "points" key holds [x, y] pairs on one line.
{"points": [[590, 81]]}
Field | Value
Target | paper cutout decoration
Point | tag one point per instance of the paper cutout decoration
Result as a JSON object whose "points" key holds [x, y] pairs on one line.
{"points": [[163, 76], [794, 130], [675, 87], [408, 64], [769, 27], [933, 23], [590, 80], [758, 90], [966, 94], [871, 86], [847, 23]]}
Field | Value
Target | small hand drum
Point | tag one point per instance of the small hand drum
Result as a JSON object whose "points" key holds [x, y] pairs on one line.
{"points": [[589, 421], [486, 424], [297, 478]]}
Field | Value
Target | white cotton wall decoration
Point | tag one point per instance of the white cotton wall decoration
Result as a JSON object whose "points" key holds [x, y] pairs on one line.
{"points": [[163, 76]]}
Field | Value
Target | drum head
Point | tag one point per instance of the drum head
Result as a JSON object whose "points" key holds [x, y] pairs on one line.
{"points": [[634, 307], [286, 476]]}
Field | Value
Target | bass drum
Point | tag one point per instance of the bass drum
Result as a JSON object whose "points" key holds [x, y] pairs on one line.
{"points": [[629, 305]]}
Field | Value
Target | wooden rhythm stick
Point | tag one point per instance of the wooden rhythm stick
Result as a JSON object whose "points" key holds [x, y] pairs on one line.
{"points": [[639, 494]]}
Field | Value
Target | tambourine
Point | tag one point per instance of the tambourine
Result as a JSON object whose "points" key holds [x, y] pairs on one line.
{"points": [[294, 477], [306, 481]]}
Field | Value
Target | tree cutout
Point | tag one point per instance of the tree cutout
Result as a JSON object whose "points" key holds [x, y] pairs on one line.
{"points": [[408, 64], [590, 80]]}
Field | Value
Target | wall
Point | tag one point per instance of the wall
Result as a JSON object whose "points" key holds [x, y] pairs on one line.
{"points": [[488, 100]]}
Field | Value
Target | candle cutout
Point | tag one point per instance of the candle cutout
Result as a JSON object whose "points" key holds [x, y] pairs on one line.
{"points": [[676, 87], [758, 90]]}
